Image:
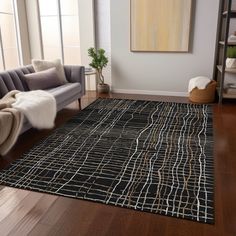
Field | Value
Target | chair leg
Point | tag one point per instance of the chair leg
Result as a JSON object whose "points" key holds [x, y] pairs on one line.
{"points": [[79, 100]]}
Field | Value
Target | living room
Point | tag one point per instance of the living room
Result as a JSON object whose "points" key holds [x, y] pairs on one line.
{"points": [[117, 117]]}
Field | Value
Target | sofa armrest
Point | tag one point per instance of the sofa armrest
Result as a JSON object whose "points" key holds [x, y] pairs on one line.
{"points": [[75, 74]]}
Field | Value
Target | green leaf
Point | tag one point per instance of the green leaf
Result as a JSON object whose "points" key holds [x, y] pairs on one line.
{"points": [[99, 60], [231, 52]]}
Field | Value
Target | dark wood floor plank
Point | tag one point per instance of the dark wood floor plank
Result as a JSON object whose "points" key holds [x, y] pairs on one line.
{"points": [[40, 230], [50, 218], [5, 194], [14, 199], [76, 220], [19, 212], [66, 216], [56, 211], [27, 223], [129, 222], [228, 182]]}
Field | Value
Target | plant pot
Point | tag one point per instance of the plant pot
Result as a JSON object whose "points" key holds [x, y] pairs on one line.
{"points": [[103, 88], [230, 63]]}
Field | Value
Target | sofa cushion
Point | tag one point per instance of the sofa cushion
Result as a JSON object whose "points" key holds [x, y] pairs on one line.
{"points": [[43, 80], [65, 91], [40, 65]]}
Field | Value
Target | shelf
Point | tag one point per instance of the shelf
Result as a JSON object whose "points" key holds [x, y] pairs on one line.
{"points": [[232, 71], [228, 44], [223, 42], [232, 14], [227, 96]]}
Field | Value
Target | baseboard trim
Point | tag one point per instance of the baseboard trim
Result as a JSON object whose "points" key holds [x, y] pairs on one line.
{"points": [[151, 92]]}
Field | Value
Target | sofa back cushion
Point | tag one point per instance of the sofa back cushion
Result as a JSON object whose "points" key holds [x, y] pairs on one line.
{"points": [[43, 80], [14, 79], [41, 65]]}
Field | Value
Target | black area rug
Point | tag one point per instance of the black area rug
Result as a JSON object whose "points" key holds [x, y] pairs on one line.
{"points": [[150, 156]]}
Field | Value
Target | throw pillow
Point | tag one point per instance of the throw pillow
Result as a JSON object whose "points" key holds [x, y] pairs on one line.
{"points": [[43, 80], [41, 65]]}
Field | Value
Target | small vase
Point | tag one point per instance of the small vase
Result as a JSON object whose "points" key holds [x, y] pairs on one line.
{"points": [[103, 88], [230, 63]]}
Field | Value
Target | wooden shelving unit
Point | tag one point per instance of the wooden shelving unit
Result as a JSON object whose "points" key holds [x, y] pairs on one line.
{"points": [[224, 17]]}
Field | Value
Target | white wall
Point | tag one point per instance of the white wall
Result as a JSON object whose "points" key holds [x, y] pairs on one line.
{"points": [[103, 32], [87, 37], [161, 73]]}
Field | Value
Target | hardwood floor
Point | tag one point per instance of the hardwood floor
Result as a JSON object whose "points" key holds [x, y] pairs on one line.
{"points": [[31, 213]]}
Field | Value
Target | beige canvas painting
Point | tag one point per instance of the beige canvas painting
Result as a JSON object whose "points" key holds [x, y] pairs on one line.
{"points": [[160, 25]]}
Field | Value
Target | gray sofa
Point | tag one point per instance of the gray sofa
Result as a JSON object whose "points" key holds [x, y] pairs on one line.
{"points": [[64, 94]]}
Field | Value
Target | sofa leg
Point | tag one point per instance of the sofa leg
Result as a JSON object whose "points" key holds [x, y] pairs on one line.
{"points": [[79, 100]]}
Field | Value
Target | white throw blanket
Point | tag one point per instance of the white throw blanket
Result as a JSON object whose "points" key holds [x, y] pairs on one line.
{"points": [[198, 82], [38, 106]]}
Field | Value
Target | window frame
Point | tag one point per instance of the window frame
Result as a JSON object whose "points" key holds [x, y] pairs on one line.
{"points": [[61, 42], [17, 34]]}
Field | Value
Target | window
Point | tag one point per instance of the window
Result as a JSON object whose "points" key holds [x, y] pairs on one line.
{"points": [[50, 29], [60, 30], [9, 55]]}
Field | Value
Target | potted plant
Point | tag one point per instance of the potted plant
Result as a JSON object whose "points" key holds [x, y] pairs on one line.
{"points": [[99, 61], [231, 57]]}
